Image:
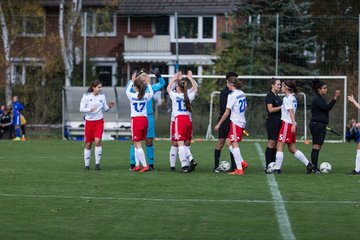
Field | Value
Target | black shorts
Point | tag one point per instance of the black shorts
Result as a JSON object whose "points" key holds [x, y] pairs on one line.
{"points": [[318, 132], [224, 129], [273, 126]]}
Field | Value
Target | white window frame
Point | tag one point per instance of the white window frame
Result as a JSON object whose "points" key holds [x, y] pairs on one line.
{"points": [[98, 34], [100, 61], [200, 38], [23, 28], [23, 63]]}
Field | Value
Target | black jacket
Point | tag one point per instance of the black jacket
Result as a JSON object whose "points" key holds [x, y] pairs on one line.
{"points": [[320, 109]]}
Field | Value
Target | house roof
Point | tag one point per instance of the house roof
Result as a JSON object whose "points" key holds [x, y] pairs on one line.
{"points": [[184, 7], [160, 7]]}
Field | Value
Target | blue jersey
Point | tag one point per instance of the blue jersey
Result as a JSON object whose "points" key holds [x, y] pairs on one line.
{"points": [[155, 87], [17, 108]]}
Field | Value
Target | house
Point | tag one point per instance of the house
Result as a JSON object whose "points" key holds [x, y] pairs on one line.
{"points": [[140, 33]]}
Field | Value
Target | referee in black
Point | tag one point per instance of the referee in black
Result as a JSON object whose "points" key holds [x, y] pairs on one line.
{"points": [[224, 128], [320, 118], [273, 120]]}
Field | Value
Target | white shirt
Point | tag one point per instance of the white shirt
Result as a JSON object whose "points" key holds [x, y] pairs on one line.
{"points": [[88, 101], [178, 103], [289, 102], [138, 106], [236, 102]]}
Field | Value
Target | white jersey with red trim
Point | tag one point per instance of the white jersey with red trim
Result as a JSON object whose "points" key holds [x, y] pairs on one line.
{"points": [[138, 106], [178, 103], [236, 102], [89, 101], [289, 102]]}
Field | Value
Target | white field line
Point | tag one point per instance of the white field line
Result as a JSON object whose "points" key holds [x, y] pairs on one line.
{"points": [[251, 201], [279, 204]]}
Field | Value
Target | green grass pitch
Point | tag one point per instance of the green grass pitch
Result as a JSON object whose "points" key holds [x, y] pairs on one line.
{"points": [[45, 193]]}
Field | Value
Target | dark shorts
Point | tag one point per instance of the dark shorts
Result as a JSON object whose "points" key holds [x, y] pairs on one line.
{"points": [[273, 126], [318, 132], [224, 128]]}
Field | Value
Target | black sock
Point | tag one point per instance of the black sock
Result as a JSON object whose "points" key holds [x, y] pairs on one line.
{"points": [[315, 157], [273, 154], [268, 156], [233, 163], [217, 154]]}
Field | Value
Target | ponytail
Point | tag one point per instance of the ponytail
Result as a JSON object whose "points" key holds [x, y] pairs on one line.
{"points": [[291, 85], [138, 83], [93, 84], [183, 86]]}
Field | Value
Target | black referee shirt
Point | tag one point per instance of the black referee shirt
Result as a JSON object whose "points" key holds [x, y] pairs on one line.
{"points": [[275, 100], [223, 99], [320, 109]]}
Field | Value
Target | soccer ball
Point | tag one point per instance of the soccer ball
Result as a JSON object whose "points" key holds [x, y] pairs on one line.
{"points": [[224, 166], [325, 167], [271, 167]]}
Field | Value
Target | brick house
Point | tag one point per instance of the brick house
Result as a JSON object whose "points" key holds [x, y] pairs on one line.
{"points": [[132, 33]]}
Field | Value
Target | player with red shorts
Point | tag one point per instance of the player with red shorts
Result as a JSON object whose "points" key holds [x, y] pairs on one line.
{"points": [[287, 134], [181, 128], [139, 121], [235, 107], [93, 103]]}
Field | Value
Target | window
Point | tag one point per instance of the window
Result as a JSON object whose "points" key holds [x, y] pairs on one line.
{"points": [[161, 25], [105, 70], [187, 27], [104, 74], [208, 27], [27, 72], [32, 26], [99, 24], [194, 29]]}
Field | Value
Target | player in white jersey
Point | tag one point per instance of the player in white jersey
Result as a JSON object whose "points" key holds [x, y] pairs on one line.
{"points": [[93, 103], [174, 145], [181, 110], [287, 132], [139, 121], [357, 158], [235, 107]]}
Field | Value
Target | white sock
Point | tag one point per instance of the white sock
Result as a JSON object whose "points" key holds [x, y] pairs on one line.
{"points": [[137, 161], [231, 150], [98, 152], [182, 155], [87, 156], [189, 155], [172, 156], [301, 157], [357, 161], [279, 160], [238, 158], [141, 156]]}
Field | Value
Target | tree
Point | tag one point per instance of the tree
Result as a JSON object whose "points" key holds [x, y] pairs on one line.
{"points": [[250, 48], [67, 23]]}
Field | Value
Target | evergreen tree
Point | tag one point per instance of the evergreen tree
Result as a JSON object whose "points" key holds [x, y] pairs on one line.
{"points": [[250, 49]]}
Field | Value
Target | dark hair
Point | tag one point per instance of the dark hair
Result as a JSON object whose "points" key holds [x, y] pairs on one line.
{"points": [[140, 86], [231, 74], [273, 81], [316, 84], [291, 85], [183, 86], [136, 70], [235, 82], [94, 83]]}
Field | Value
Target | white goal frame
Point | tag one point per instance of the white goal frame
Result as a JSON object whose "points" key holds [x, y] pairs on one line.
{"points": [[344, 78]]}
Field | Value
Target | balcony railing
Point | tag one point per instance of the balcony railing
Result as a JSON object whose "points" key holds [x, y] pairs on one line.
{"points": [[156, 43]]}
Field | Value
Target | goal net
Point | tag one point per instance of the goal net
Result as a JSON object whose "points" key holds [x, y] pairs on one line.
{"points": [[256, 109]]}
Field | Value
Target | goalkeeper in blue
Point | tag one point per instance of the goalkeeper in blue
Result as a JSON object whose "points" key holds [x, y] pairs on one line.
{"points": [[151, 123]]}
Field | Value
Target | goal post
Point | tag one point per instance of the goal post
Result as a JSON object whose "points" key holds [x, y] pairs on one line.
{"points": [[305, 98]]}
